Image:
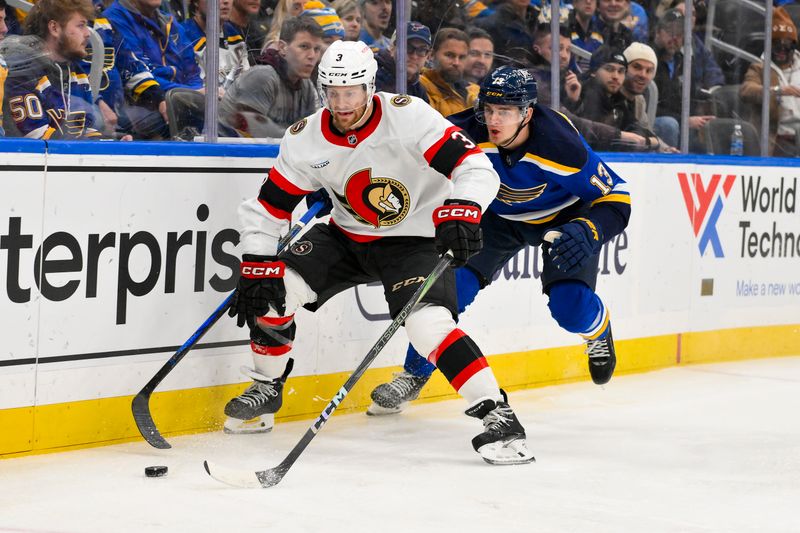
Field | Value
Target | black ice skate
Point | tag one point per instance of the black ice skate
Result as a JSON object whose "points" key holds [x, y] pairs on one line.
{"points": [[503, 439], [391, 398], [254, 410], [602, 358]]}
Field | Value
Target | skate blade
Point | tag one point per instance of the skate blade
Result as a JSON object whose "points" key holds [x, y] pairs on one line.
{"points": [[261, 424], [376, 410], [514, 452]]}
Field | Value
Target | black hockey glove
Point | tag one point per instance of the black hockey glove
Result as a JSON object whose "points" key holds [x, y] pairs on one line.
{"points": [[315, 197], [580, 239], [260, 284], [458, 230]]}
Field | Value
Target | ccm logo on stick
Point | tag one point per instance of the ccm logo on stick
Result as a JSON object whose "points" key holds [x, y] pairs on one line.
{"points": [[263, 270]]}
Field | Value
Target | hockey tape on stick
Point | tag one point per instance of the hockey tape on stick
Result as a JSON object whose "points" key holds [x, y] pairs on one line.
{"points": [[551, 236]]}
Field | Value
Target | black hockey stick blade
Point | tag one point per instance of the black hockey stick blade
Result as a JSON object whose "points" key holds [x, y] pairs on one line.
{"points": [[272, 476], [141, 402]]}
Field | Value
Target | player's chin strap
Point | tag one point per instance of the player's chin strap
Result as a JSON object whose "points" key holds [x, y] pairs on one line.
{"points": [[519, 129]]}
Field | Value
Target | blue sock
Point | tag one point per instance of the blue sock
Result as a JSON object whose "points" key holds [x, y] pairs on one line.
{"points": [[467, 287], [576, 307]]}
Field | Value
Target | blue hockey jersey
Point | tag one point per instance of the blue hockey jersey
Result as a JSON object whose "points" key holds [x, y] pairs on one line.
{"points": [[554, 169]]}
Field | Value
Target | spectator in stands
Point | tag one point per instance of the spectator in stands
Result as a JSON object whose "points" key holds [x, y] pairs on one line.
{"points": [[706, 72], [584, 30], [3, 25], [637, 21], [267, 99], [284, 9], [448, 93], [245, 16], [3, 66], [438, 14], [377, 14], [232, 50], [512, 27], [668, 44], [784, 93], [418, 50], [610, 14], [570, 86], [480, 57], [642, 63], [51, 97], [153, 57], [601, 99], [349, 12], [328, 20]]}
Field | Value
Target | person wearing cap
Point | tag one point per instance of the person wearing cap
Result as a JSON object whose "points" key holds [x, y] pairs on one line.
{"points": [[377, 14], [418, 50], [642, 63], [448, 92], [601, 99], [480, 57], [784, 91], [270, 97], [668, 44], [328, 20]]}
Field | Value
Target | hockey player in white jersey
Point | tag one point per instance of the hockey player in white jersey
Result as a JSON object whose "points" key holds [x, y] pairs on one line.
{"points": [[407, 186]]}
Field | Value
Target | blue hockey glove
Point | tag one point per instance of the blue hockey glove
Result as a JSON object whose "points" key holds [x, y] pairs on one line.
{"points": [[260, 284], [315, 197], [458, 229], [580, 239]]}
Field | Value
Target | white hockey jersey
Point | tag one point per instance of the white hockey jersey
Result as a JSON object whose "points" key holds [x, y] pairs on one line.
{"points": [[385, 178]]}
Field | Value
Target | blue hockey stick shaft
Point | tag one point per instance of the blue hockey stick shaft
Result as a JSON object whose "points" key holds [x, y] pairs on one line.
{"points": [[141, 402]]}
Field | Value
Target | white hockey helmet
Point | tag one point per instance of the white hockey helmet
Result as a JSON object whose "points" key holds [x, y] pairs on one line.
{"points": [[347, 63]]}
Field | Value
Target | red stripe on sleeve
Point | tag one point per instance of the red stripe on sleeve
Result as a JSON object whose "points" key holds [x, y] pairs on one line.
{"points": [[280, 180], [275, 212], [274, 320], [430, 153], [452, 337], [473, 368]]}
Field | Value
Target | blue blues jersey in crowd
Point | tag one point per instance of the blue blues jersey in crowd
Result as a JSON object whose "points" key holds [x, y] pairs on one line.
{"points": [[552, 171]]}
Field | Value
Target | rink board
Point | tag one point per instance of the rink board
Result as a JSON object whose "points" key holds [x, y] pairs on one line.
{"points": [[114, 255]]}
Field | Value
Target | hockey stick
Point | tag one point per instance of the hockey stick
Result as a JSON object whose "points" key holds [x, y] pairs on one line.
{"points": [[273, 476], [141, 402]]}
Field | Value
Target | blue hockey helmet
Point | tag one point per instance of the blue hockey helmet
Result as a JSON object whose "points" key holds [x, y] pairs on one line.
{"points": [[507, 86]]}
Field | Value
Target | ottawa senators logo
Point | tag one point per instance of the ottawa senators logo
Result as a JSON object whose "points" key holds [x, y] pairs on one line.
{"points": [[400, 100], [298, 126], [375, 201]]}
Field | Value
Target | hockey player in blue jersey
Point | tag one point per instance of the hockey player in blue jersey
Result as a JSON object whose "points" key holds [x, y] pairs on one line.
{"points": [[553, 188]]}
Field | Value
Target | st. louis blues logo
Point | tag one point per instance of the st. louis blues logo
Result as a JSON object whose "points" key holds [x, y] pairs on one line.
{"points": [[705, 213]]}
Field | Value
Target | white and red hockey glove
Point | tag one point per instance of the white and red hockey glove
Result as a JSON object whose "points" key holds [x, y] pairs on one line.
{"points": [[260, 285], [458, 230]]}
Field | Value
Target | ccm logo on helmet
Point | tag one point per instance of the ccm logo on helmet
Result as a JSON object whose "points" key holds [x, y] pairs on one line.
{"points": [[456, 212], [263, 270]]}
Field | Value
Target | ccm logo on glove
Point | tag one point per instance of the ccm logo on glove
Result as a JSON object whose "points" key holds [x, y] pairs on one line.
{"points": [[263, 270], [456, 212]]}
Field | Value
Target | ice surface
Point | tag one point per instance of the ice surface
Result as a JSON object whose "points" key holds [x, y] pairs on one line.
{"points": [[713, 448]]}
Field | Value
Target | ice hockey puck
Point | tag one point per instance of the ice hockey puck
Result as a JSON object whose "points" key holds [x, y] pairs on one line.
{"points": [[155, 471]]}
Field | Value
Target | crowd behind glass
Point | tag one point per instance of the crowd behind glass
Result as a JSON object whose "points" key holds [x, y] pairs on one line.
{"points": [[135, 69]]}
